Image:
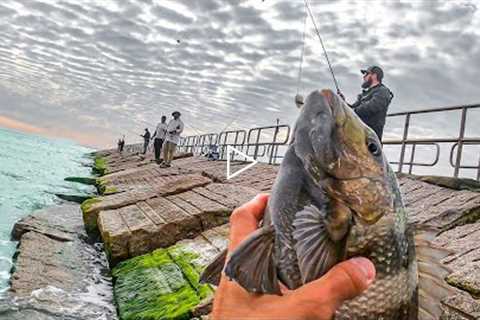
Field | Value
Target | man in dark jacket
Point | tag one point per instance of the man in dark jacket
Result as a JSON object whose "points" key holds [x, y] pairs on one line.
{"points": [[372, 104], [146, 140]]}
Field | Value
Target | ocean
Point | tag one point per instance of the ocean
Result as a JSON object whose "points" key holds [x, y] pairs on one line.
{"points": [[32, 170]]}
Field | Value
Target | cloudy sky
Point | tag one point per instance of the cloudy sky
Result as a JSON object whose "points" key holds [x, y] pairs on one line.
{"points": [[93, 70]]}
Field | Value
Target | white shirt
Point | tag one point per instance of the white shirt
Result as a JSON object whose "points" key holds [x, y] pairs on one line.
{"points": [[160, 131], [176, 127]]}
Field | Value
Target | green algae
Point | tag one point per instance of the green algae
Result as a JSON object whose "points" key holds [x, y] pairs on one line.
{"points": [[191, 270], [103, 188], [160, 285], [87, 204], [99, 165], [89, 218], [110, 190]]}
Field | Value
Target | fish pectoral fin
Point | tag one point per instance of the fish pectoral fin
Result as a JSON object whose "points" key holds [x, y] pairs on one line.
{"points": [[252, 264], [213, 271], [432, 287], [316, 252]]}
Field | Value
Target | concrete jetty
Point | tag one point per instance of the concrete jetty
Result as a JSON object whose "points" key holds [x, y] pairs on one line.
{"points": [[161, 227]]}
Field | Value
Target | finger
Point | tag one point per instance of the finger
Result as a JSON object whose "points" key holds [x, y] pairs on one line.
{"points": [[244, 220], [344, 281]]}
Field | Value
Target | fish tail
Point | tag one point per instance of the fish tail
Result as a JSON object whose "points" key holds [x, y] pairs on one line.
{"points": [[432, 287], [213, 271]]}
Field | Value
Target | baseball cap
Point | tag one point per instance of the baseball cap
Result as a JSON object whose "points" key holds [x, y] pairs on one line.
{"points": [[374, 69]]}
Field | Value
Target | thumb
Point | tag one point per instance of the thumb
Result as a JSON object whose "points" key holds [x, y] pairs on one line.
{"points": [[348, 279], [344, 281]]}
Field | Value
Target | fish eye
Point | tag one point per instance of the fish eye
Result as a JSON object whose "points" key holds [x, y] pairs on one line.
{"points": [[374, 148]]}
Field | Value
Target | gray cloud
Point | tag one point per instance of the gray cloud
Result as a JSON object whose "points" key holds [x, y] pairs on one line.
{"points": [[114, 67]]}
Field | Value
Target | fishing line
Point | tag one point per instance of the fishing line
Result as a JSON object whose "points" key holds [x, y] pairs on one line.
{"points": [[233, 120], [307, 6]]}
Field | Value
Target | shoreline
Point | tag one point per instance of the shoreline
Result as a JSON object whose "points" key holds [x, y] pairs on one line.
{"points": [[161, 227], [58, 272]]}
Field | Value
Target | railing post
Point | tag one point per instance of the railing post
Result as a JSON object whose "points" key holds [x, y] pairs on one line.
{"points": [[412, 158], [405, 135], [461, 135], [272, 152], [256, 145], [478, 170]]}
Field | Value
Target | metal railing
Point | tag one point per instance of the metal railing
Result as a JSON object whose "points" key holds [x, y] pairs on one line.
{"points": [[261, 143], [456, 150], [268, 143]]}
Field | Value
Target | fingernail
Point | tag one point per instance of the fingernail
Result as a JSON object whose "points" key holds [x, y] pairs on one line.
{"points": [[260, 195], [366, 266]]}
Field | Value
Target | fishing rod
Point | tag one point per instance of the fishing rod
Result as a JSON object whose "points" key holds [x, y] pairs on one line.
{"points": [[307, 5]]}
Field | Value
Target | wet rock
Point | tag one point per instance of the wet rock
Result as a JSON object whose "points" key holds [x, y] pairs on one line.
{"points": [[83, 180], [59, 223], [72, 197], [43, 261], [57, 275]]}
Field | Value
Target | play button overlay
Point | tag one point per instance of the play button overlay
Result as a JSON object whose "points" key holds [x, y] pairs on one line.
{"points": [[232, 151]]}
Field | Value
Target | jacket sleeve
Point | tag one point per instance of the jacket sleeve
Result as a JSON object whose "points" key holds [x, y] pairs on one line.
{"points": [[379, 102]]}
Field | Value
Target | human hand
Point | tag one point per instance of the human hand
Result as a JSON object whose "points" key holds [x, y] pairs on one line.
{"points": [[317, 300]]}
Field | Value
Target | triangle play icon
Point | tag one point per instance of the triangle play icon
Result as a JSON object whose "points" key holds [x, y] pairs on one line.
{"points": [[231, 150]]}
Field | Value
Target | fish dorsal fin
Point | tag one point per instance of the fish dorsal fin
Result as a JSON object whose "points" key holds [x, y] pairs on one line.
{"points": [[213, 271], [432, 287], [316, 252], [252, 264]]}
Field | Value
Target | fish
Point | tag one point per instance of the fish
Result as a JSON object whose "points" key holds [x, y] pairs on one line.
{"points": [[336, 197]]}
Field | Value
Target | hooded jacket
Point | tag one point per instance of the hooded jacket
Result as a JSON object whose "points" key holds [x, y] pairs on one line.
{"points": [[372, 106]]}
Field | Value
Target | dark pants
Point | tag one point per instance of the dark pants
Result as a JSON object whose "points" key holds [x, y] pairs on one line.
{"points": [[145, 147], [157, 145]]}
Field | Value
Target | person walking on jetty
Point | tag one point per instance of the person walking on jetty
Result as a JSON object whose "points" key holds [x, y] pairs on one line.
{"points": [[159, 137], [172, 138], [372, 104], [146, 140]]}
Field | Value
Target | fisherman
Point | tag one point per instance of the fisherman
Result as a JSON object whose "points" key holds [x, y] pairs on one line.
{"points": [[316, 300], [121, 144], [172, 138], [159, 137], [372, 104], [146, 140]]}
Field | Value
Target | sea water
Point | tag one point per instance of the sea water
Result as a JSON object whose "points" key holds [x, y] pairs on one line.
{"points": [[32, 170]]}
